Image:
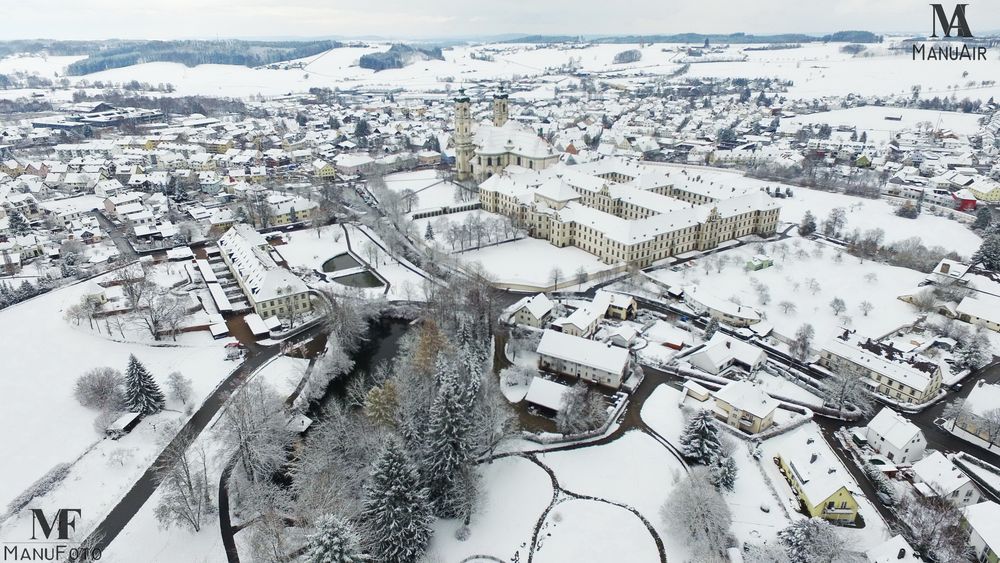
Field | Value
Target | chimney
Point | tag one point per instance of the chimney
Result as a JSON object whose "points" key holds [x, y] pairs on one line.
{"points": [[945, 267], [729, 344], [812, 458], [901, 554]]}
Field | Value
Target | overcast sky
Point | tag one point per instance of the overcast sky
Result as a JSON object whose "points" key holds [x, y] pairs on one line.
{"points": [[165, 19]]}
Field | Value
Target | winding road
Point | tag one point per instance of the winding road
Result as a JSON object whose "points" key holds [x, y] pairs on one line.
{"points": [[123, 512]]}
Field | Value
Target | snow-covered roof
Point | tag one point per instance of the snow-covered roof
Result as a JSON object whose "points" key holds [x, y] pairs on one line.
{"points": [[895, 371], [722, 349], [711, 301], [598, 355], [546, 393], [747, 397], [939, 473], [538, 306], [981, 305], [983, 518], [897, 431], [983, 397], [265, 280], [817, 475], [894, 550]]}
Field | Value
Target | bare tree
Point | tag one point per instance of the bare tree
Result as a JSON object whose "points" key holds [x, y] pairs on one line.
{"points": [[787, 307], [847, 388], [866, 307], [179, 387], [187, 490], [838, 306], [555, 274], [101, 388], [254, 426], [933, 525]]}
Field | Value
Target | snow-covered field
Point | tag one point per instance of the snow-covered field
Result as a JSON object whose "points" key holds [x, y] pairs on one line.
{"points": [[515, 492], [790, 280], [45, 425], [817, 70], [587, 531], [529, 262], [872, 119]]}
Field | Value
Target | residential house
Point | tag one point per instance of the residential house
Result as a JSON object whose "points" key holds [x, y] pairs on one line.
{"points": [[820, 483], [983, 522], [897, 377], [596, 362], [745, 406], [936, 476], [895, 437], [722, 352], [979, 413], [533, 311]]}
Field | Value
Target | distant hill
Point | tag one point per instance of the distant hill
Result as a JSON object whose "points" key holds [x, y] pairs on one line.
{"points": [[739, 38], [191, 53], [399, 56]]}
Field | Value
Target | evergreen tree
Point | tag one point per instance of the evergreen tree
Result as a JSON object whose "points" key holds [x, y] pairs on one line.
{"points": [[974, 352], [700, 439], [711, 328], [983, 218], [864, 137], [18, 225], [988, 253], [812, 540], [333, 542], [808, 224], [396, 511], [723, 474], [142, 394], [446, 463], [429, 232]]}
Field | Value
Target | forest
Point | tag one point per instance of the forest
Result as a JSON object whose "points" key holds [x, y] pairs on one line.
{"points": [[398, 56], [191, 53]]}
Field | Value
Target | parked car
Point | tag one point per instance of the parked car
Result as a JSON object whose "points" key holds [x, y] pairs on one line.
{"points": [[886, 499]]}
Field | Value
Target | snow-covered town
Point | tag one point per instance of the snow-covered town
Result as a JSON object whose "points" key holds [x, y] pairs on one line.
{"points": [[530, 293]]}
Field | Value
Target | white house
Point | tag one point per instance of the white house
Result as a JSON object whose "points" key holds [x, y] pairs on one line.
{"points": [[720, 309], [722, 351], [593, 361], [984, 533], [533, 311], [895, 437], [941, 478]]}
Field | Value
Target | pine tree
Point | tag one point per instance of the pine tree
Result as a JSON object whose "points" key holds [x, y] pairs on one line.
{"points": [[333, 542], [723, 474], [983, 218], [396, 511], [429, 232], [142, 394], [988, 253], [711, 328], [808, 224], [700, 439], [446, 463], [18, 225]]}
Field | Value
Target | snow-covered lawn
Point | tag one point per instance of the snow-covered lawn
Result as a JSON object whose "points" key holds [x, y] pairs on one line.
{"points": [[662, 412], [515, 492], [865, 214], [432, 192], [585, 531], [529, 262], [45, 425], [862, 213], [310, 248], [789, 280], [635, 470]]}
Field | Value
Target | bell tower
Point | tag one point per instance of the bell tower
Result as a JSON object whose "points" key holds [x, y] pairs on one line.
{"points": [[463, 137], [500, 108]]}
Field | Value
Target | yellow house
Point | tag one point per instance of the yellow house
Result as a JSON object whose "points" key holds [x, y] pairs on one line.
{"points": [[323, 169], [820, 485]]}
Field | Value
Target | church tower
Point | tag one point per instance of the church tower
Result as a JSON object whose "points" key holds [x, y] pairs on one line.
{"points": [[499, 108], [463, 137]]}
